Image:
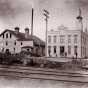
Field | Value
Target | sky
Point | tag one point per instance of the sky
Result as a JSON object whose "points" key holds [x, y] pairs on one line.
{"points": [[62, 12]]}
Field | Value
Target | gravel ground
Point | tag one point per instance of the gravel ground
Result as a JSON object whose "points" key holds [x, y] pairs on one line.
{"points": [[36, 83]]}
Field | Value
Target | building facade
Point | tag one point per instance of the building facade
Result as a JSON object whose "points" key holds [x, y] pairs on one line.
{"points": [[14, 41], [69, 43]]}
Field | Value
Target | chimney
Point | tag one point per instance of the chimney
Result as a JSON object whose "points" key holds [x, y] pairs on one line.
{"points": [[26, 32], [17, 30]]}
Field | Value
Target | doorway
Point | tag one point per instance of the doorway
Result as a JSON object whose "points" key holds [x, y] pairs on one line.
{"points": [[7, 51], [62, 50]]}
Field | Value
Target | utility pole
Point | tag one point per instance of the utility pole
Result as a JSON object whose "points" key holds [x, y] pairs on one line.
{"points": [[32, 16], [46, 14]]}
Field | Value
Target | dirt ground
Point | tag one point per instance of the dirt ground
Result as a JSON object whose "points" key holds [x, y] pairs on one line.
{"points": [[36, 83]]}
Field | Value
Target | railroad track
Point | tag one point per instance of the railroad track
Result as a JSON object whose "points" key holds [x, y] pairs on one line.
{"points": [[41, 73]]}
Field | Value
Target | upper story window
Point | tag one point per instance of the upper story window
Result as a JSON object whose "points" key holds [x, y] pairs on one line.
{"points": [[69, 38], [7, 35], [3, 35], [49, 39], [62, 38], [75, 38], [15, 43], [10, 35], [55, 39], [6, 43]]}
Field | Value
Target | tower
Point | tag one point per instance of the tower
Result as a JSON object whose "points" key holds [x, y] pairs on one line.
{"points": [[79, 21]]}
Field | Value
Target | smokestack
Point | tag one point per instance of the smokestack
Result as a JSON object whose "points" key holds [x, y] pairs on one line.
{"points": [[32, 21]]}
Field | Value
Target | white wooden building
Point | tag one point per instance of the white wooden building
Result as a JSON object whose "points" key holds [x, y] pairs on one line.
{"points": [[15, 41]]}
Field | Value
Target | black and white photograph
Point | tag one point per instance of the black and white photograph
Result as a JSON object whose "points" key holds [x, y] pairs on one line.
{"points": [[43, 43]]}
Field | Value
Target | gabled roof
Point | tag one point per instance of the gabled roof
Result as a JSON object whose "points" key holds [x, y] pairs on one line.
{"points": [[21, 37]]}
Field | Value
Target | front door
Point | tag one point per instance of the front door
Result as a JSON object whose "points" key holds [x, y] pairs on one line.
{"points": [[7, 51], [62, 50]]}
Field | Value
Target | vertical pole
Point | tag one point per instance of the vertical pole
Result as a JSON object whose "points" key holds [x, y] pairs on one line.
{"points": [[46, 13], [46, 34], [32, 22]]}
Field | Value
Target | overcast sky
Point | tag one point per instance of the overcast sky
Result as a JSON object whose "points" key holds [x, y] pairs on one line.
{"points": [[18, 13]]}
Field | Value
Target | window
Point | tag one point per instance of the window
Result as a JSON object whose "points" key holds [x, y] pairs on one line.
{"points": [[69, 50], [14, 49], [28, 50], [6, 35], [84, 40], [2, 49], [49, 39], [6, 43], [69, 38], [85, 51], [10, 35], [54, 49], [75, 49], [75, 38], [21, 43], [3, 35], [15, 43], [82, 51], [54, 39], [49, 50], [62, 38]]}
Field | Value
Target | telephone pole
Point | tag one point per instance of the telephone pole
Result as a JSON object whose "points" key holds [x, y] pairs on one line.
{"points": [[46, 14]]}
